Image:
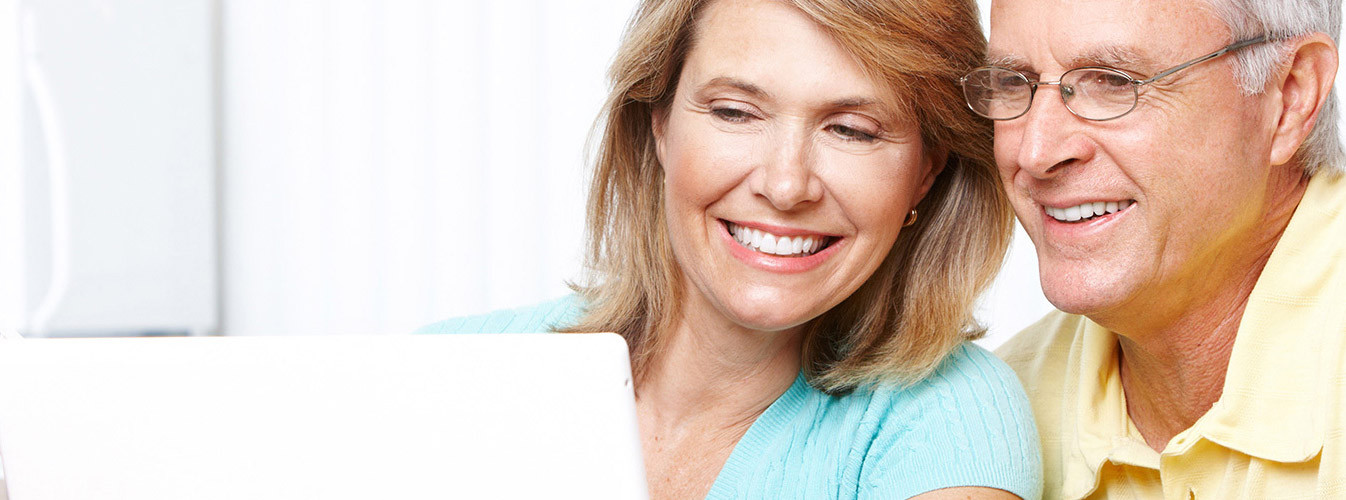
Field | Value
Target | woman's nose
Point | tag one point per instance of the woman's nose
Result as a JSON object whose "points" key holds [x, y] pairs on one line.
{"points": [[787, 179]]}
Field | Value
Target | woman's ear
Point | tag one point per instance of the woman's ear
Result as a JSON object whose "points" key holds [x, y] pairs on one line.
{"points": [[657, 124], [934, 165]]}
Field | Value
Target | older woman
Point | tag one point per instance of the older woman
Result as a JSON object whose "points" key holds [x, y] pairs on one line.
{"points": [[791, 215]]}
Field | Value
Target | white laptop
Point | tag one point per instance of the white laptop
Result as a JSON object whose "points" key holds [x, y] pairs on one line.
{"points": [[378, 417]]}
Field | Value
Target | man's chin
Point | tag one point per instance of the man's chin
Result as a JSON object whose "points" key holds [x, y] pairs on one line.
{"points": [[1084, 301], [1072, 307]]}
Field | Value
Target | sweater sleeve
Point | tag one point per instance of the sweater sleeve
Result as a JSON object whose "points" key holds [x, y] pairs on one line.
{"points": [[967, 424], [539, 318]]}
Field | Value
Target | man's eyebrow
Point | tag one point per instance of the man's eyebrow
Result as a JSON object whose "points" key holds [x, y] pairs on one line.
{"points": [[1007, 61], [1114, 56]]}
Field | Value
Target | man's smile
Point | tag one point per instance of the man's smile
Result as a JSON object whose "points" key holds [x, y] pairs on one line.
{"points": [[1086, 211]]}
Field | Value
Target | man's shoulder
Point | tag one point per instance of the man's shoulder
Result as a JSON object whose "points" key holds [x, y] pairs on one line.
{"points": [[1040, 352]]}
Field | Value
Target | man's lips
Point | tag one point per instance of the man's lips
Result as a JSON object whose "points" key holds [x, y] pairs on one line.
{"points": [[1086, 211]]}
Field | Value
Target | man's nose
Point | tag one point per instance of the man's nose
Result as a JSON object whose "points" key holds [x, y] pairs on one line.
{"points": [[1048, 135]]}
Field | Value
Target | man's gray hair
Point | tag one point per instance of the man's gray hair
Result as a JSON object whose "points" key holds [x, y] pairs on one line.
{"points": [[1279, 20]]}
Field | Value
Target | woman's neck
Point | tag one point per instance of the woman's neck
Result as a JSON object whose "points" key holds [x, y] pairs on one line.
{"points": [[702, 391], [713, 369]]}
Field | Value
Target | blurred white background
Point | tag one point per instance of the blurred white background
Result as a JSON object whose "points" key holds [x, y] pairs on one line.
{"points": [[386, 164], [350, 166]]}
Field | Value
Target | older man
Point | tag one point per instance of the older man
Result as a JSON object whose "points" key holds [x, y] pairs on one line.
{"points": [[1177, 166]]}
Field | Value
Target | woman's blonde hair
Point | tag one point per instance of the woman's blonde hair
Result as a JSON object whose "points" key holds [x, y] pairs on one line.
{"points": [[917, 306]]}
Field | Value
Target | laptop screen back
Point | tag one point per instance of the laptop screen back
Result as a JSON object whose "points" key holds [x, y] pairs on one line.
{"points": [[433, 416]]}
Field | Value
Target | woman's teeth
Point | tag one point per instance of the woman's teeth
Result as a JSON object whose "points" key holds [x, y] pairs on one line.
{"points": [[1086, 211], [768, 243]]}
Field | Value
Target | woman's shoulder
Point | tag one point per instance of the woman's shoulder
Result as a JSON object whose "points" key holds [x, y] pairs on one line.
{"points": [[544, 317], [969, 375], [968, 423], [972, 370]]}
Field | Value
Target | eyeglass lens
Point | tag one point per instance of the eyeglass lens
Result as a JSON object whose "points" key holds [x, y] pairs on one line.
{"points": [[1090, 93]]}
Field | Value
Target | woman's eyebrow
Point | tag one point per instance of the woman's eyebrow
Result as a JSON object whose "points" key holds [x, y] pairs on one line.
{"points": [[725, 81], [852, 102], [849, 102]]}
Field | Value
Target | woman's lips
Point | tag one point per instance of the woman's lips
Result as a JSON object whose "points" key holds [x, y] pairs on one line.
{"points": [[763, 247], [782, 246]]}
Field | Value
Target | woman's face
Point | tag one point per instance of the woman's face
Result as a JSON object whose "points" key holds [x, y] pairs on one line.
{"points": [[787, 178]]}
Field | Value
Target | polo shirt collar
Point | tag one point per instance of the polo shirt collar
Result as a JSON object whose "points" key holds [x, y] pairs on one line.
{"points": [[1100, 429]]}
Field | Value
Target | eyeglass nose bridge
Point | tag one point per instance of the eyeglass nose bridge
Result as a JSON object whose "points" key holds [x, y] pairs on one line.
{"points": [[1067, 92]]}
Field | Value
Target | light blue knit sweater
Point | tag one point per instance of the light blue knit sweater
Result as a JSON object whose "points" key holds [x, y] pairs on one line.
{"points": [[968, 424]]}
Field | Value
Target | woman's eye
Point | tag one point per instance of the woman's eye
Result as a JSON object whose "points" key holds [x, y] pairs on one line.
{"points": [[852, 134], [732, 115]]}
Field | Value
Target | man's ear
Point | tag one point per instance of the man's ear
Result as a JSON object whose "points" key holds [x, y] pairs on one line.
{"points": [[1303, 84], [934, 165]]}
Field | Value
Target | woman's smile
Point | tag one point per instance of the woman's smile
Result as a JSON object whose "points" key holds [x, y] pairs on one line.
{"points": [[778, 249], [782, 243]]}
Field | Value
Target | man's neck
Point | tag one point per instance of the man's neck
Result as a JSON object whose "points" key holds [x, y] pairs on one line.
{"points": [[1173, 378], [1173, 366]]}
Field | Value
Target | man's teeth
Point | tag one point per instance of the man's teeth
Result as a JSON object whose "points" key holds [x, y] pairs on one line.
{"points": [[1086, 211], [765, 242]]}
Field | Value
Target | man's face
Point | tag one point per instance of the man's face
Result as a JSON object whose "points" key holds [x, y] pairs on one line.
{"points": [[1182, 179]]}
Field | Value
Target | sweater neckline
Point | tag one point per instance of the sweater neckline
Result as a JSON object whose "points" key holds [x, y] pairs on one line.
{"points": [[768, 425]]}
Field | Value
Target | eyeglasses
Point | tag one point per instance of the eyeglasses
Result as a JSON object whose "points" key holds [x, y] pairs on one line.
{"points": [[1092, 92]]}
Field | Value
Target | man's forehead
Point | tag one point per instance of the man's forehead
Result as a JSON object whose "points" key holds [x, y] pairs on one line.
{"points": [[1099, 8], [1134, 34]]}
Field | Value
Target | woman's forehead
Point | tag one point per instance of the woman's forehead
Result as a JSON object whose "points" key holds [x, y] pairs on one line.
{"points": [[771, 48]]}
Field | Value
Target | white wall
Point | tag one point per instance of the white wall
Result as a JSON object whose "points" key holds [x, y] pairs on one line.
{"points": [[391, 163]]}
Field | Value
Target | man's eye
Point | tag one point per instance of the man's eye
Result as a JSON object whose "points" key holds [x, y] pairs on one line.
{"points": [[1010, 82], [1109, 79]]}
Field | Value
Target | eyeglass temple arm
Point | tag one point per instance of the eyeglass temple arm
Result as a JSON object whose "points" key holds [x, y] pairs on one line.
{"points": [[1207, 57]]}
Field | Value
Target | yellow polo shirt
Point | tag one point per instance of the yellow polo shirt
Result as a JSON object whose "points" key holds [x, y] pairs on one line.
{"points": [[1279, 428]]}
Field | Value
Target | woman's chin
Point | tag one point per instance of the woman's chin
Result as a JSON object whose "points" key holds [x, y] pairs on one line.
{"points": [[771, 316]]}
